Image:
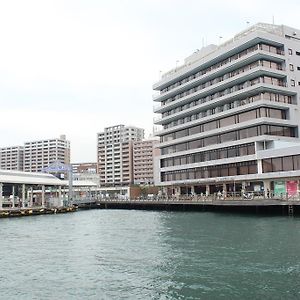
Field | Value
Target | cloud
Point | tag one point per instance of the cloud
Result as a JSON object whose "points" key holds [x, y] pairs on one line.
{"points": [[75, 66]]}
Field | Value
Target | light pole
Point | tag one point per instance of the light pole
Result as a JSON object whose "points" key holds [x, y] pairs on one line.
{"points": [[70, 195]]}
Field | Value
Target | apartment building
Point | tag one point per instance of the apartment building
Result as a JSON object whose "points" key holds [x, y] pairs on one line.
{"points": [[11, 158], [143, 157], [230, 115], [40, 154], [114, 148]]}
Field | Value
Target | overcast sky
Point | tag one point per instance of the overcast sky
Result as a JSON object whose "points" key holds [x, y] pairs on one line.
{"points": [[74, 67]]}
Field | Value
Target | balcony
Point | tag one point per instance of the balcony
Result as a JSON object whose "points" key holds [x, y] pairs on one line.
{"points": [[219, 67], [222, 87]]}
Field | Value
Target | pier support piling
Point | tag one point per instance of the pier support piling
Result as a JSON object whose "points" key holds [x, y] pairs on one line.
{"points": [[1, 195], [23, 195], [43, 195], [13, 197]]}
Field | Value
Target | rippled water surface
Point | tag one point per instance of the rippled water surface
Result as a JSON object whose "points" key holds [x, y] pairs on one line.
{"points": [[127, 254]]}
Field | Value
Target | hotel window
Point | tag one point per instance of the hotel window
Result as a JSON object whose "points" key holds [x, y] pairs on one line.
{"points": [[252, 131], [210, 140], [194, 130], [227, 121], [227, 137], [277, 164], [287, 163], [291, 67], [296, 160], [247, 116]]}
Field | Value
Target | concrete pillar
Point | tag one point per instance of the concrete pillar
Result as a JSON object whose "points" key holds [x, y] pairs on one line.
{"points": [[1, 195], [43, 195], [259, 166], [192, 190], [244, 185], [59, 192], [207, 190], [267, 187], [224, 190], [13, 196], [23, 195], [31, 197]]}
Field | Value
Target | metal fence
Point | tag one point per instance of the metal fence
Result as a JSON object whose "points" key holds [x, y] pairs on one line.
{"points": [[230, 196]]}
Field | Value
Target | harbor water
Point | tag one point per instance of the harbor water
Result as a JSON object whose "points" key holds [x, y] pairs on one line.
{"points": [[130, 254]]}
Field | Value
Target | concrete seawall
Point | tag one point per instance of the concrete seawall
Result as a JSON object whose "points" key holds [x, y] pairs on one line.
{"points": [[240, 206]]}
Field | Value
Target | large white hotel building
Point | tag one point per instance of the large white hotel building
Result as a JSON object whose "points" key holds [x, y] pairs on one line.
{"points": [[230, 115]]}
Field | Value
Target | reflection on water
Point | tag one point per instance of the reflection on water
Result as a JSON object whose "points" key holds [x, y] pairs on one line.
{"points": [[119, 254]]}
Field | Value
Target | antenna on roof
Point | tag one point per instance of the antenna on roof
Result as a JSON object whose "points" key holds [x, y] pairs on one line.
{"points": [[220, 39]]}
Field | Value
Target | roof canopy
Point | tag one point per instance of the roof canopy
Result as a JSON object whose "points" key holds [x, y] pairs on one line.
{"points": [[7, 176]]}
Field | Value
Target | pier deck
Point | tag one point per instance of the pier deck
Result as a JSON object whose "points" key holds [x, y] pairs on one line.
{"points": [[33, 211], [281, 206]]}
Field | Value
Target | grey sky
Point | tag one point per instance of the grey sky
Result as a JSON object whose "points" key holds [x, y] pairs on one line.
{"points": [[78, 66]]}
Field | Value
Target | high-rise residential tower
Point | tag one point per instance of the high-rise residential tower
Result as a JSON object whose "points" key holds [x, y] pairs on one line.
{"points": [[143, 157], [40, 154], [230, 115], [114, 148], [11, 158]]}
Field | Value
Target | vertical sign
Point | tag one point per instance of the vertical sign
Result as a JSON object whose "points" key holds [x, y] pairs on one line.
{"points": [[279, 188], [292, 187]]}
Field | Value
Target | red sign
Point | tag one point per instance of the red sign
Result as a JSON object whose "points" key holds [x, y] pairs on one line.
{"points": [[292, 187]]}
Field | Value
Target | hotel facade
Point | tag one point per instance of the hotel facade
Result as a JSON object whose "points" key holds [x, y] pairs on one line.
{"points": [[230, 115]]}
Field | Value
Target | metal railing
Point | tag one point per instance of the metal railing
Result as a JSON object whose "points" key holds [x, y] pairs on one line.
{"points": [[202, 198]]}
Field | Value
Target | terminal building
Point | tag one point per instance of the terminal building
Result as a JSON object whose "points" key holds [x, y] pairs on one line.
{"points": [[230, 116]]}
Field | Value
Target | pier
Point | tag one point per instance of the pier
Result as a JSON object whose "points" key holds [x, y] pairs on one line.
{"points": [[283, 206], [23, 212]]}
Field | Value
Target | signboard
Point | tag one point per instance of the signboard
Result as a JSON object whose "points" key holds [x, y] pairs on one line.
{"points": [[292, 187], [279, 188], [57, 167], [256, 188]]}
